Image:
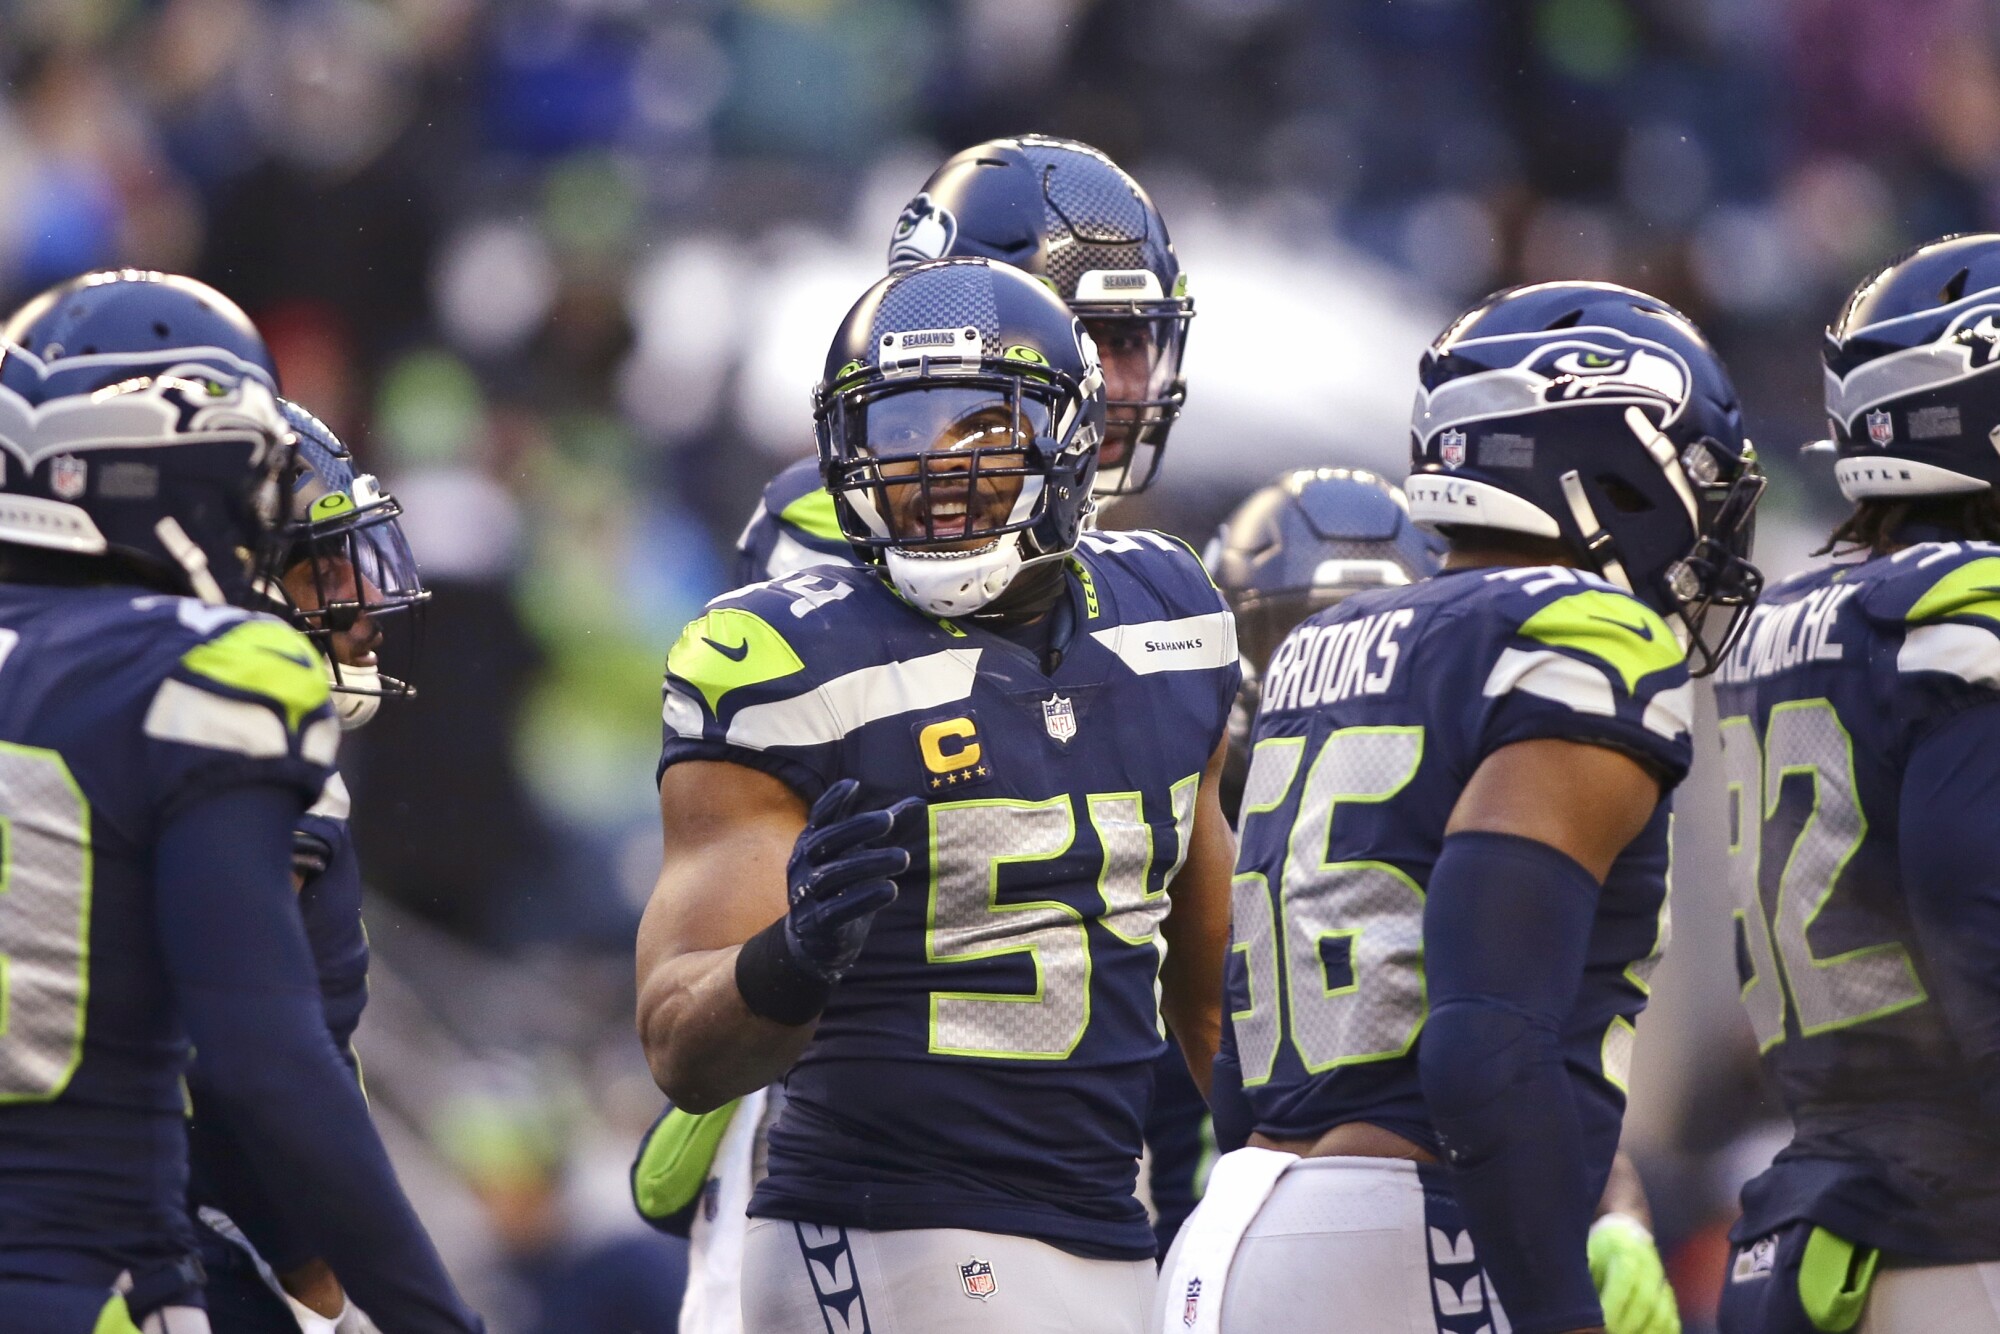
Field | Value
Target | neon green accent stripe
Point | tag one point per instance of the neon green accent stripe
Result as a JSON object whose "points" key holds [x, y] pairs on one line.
{"points": [[728, 649], [1972, 589], [114, 1319], [676, 1160], [266, 658], [1834, 1276], [814, 513], [1621, 632]]}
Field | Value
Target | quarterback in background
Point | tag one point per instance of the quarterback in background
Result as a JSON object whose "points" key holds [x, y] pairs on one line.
{"points": [[929, 826], [1452, 881], [1860, 723]]}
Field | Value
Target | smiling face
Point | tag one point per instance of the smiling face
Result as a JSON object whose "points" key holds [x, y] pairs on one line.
{"points": [[952, 463]]}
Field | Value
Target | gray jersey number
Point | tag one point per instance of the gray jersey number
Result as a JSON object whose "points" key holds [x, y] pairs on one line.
{"points": [[44, 923]]}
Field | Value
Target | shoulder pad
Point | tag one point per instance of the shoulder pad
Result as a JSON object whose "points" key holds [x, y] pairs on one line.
{"points": [[1164, 563], [257, 687], [1945, 597], [1577, 640]]}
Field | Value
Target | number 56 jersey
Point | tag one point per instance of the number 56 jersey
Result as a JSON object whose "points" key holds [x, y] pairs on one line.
{"points": [[1840, 677], [1375, 715], [987, 1063]]}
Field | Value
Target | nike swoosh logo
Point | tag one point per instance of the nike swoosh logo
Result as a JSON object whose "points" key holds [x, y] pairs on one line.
{"points": [[280, 653], [1642, 630], [735, 653]]}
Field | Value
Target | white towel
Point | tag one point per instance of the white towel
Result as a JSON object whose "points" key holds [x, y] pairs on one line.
{"points": [[714, 1301], [1237, 1188]]}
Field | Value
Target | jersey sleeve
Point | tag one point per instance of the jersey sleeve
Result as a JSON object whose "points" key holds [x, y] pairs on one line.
{"points": [[247, 704], [794, 528], [737, 689], [1194, 630], [1589, 664], [1946, 604]]}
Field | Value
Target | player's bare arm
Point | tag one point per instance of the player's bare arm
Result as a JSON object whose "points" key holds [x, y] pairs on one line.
{"points": [[729, 830], [1585, 801], [1197, 930]]}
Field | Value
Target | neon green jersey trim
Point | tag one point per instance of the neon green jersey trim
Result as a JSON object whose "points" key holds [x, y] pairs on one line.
{"points": [[730, 648], [1973, 589], [675, 1162], [266, 658], [1834, 1276], [1620, 632], [814, 513]]}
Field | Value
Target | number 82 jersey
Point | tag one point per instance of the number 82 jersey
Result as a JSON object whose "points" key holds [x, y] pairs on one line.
{"points": [[987, 1062], [1375, 714]]}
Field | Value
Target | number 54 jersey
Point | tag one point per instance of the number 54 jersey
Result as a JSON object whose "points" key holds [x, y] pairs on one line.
{"points": [[987, 1063], [1839, 677], [1375, 714]]}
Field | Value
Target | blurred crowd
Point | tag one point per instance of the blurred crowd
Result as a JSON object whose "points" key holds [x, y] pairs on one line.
{"points": [[563, 271]]}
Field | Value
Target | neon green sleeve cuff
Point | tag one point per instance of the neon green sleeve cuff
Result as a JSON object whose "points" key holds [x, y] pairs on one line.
{"points": [[674, 1163]]}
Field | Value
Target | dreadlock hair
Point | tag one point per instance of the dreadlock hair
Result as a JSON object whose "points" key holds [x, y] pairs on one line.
{"points": [[1875, 525]]}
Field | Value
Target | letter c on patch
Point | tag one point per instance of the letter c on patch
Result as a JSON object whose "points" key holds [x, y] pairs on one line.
{"points": [[931, 741]]}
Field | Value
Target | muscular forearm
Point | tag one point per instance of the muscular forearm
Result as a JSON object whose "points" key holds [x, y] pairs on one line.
{"points": [[702, 1043], [1195, 1019]]}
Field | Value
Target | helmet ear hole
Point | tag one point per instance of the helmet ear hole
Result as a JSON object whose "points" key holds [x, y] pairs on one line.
{"points": [[1569, 321], [1954, 289], [1624, 497]]}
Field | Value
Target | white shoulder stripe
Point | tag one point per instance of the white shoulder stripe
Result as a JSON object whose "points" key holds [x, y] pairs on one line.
{"points": [[1190, 644], [333, 803], [1965, 651], [848, 702], [1566, 680], [192, 716]]}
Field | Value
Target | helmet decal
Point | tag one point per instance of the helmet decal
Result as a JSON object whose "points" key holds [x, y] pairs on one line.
{"points": [[1967, 347], [924, 230], [1590, 366]]}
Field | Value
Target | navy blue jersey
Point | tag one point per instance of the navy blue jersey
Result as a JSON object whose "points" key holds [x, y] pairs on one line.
{"points": [[1842, 673], [988, 1062], [795, 528], [1375, 714], [116, 710]]}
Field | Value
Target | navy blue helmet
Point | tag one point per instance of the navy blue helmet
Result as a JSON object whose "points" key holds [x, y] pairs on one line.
{"points": [[342, 571], [958, 425], [1912, 396], [1599, 418], [1306, 541], [1066, 213], [139, 421]]}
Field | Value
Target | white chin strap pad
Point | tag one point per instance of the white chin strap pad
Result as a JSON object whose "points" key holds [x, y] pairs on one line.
{"points": [[956, 583], [353, 709]]}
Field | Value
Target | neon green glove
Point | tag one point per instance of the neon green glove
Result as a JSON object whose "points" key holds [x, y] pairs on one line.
{"points": [[674, 1161], [1631, 1284]]}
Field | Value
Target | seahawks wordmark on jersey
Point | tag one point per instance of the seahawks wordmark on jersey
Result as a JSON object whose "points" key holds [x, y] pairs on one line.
{"points": [[116, 710], [987, 1062], [1375, 715], [1839, 675]]}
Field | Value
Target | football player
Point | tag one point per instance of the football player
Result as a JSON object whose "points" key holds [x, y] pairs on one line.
{"points": [[157, 749], [967, 1034], [1454, 839], [341, 571], [1011, 200], [1860, 723]]}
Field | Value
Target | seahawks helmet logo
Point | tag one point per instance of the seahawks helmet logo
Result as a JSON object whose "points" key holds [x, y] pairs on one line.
{"points": [[1531, 372], [923, 231]]}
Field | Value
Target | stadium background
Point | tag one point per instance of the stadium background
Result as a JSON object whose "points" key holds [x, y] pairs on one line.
{"points": [[563, 271]]}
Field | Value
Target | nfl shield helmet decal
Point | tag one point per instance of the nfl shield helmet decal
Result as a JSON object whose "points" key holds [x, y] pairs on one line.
{"points": [[1451, 449], [1059, 716], [1881, 429], [976, 1276], [67, 475]]}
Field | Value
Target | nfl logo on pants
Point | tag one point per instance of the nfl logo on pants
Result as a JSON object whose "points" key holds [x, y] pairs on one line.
{"points": [[977, 1277]]}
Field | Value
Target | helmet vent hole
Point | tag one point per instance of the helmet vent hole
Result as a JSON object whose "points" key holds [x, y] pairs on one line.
{"points": [[1624, 497], [1568, 321], [991, 162], [160, 329], [1954, 289]]}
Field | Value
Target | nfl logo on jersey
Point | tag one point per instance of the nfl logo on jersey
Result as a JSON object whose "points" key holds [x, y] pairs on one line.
{"points": [[1059, 716], [977, 1276], [1880, 429], [1451, 449]]}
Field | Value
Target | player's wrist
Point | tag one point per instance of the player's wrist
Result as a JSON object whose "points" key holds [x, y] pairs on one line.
{"points": [[775, 983]]}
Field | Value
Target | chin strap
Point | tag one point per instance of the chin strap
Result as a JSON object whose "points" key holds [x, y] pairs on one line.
{"points": [[1595, 540], [192, 560]]}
